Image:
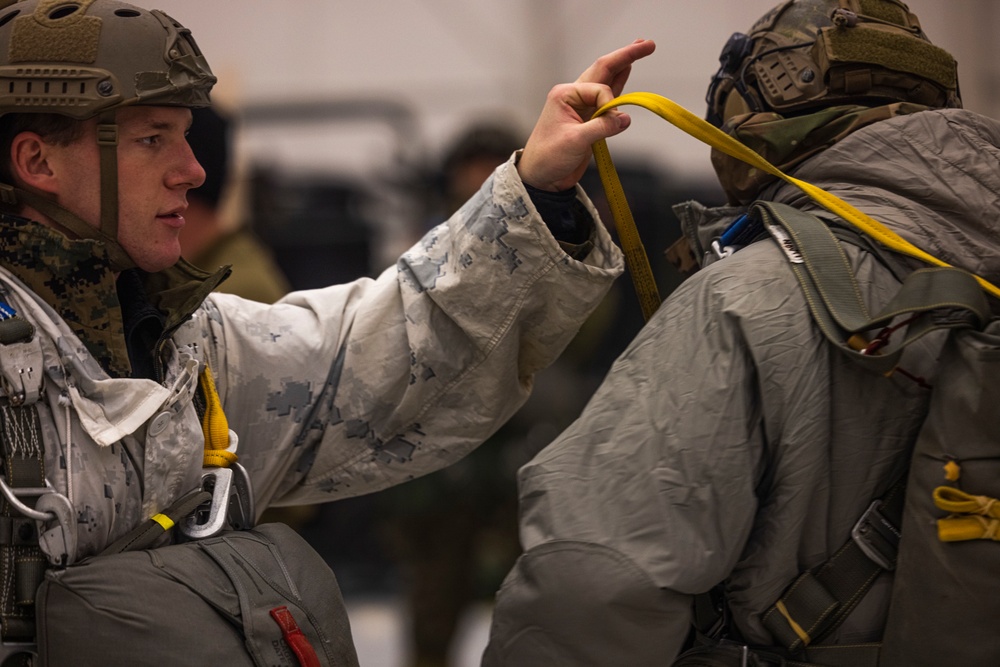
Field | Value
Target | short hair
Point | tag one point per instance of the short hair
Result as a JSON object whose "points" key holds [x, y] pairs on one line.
{"points": [[484, 140], [53, 128]]}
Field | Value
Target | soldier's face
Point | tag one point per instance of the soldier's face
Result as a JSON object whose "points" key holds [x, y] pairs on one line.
{"points": [[156, 168]]}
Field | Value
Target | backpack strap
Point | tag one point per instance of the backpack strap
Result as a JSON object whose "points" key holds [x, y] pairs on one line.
{"points": [[937, 297], [819, 600]]}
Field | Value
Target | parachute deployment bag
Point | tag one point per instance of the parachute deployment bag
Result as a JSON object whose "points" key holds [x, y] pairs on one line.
{"points": [[260, 597]]}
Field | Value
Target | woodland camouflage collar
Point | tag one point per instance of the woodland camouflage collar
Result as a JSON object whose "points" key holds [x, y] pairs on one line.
{"points": [[75, 278], [787, 142]]}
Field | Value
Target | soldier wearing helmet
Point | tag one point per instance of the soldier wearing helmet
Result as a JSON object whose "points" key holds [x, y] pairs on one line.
{"points": [[113, 348], [731, 448]]}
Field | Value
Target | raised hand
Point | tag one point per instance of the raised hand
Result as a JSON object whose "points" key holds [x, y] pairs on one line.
{"points": [[558, 150]]}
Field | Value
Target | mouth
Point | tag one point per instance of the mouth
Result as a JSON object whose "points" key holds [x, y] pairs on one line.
{"points": [[173, 218]]}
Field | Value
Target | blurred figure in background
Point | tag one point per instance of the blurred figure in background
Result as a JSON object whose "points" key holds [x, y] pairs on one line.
{"points": [[210, 239], [471, 158]]}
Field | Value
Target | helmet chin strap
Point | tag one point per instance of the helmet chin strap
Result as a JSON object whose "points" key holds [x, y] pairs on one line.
{"points": [[107, 234]]}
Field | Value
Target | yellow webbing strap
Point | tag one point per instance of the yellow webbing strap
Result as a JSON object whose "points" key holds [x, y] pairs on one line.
{"points": [[972, 517], [628, 235], [215, 425], [165, 521], [716, 138]]}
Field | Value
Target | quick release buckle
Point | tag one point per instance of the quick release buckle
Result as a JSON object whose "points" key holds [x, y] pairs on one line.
{"points": [[722, 252], [22, 365], [736, 236], [877, 537]]}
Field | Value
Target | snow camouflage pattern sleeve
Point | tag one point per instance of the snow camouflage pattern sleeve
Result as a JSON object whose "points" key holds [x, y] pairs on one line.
{"points": [[352, 388]]}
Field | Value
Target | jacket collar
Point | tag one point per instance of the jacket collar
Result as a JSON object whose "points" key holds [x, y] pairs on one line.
{"points": [[76, 278]]}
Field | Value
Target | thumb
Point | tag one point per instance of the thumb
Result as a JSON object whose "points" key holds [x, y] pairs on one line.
{"points": [[607, 125]]}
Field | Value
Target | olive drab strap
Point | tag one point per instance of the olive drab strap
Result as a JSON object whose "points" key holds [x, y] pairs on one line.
{"points": [[145, 534], [934, 297]]}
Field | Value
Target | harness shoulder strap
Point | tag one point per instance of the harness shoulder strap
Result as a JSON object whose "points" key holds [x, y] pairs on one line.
{"points": [[22, 563]]}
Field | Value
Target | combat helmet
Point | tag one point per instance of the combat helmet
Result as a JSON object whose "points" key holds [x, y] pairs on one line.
{"points": [[808, 54], [86, 59]]}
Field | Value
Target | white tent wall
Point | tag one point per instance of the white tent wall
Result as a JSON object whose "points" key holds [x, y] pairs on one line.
{"points": [[457, 60]]}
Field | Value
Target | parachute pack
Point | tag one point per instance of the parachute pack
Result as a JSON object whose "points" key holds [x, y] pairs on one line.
{"points": [[938, 526]]}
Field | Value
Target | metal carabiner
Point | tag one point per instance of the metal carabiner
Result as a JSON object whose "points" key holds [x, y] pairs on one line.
{"points": [[231, 507]]}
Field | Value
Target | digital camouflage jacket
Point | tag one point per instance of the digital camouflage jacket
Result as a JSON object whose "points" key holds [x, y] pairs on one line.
{"points": [[333, 392]]}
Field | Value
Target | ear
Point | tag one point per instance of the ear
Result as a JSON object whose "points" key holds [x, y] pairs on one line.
{"points": [[29, 157]]}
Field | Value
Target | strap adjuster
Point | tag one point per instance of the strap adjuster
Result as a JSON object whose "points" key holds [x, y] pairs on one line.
{"points": [[877, 537], [107, 134]]}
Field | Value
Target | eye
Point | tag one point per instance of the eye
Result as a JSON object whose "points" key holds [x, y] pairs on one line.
{"points": [[151, 140]]}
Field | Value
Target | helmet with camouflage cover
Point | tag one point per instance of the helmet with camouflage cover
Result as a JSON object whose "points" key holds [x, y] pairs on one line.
{"points": [[809, 54], [87, 58], [811, 72]]}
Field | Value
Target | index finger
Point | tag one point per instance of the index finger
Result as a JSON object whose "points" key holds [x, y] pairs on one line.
{"points": [[612, 69]]}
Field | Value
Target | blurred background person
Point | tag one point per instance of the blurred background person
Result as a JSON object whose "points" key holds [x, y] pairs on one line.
{"points": [[215, 233]]}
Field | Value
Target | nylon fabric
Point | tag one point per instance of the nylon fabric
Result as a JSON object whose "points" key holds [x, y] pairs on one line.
{"points": [[754, 457], [204, 603]]}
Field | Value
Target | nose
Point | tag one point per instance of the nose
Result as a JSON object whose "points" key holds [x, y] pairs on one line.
{"points": [[189, 173]]}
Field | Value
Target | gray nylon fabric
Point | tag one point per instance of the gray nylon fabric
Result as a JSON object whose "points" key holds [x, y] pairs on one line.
{"points": [[729, 442], [201, 603]]}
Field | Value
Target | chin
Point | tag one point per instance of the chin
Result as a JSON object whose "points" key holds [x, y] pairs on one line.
{"points": [[156, 264]]}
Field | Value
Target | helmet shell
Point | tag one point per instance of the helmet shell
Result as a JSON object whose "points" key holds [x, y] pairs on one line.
{"points": [[80, 58], [809, 54]]}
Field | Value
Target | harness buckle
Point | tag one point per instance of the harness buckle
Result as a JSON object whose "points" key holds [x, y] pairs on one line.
{"points": [[22, 371], [58, 542], [877, 537], [13, 649]]}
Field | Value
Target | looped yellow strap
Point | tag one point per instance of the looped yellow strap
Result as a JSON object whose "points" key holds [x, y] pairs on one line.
{"points": [[972, 517], [215, 425], [716, 138]]}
